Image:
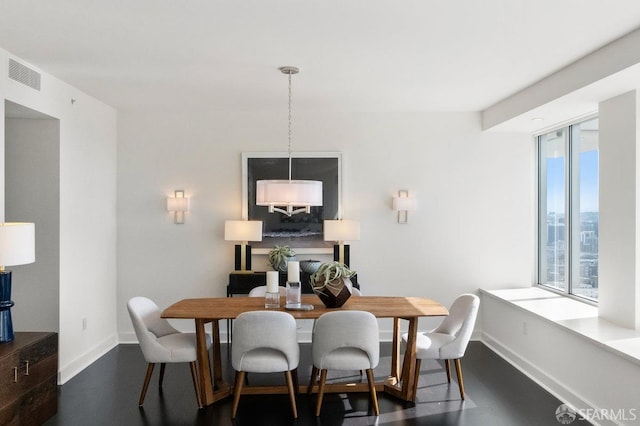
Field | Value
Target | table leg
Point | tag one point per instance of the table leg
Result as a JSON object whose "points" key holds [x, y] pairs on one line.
{"points": [[395, 347], [217, 358], [204, 370], [409, 362]]}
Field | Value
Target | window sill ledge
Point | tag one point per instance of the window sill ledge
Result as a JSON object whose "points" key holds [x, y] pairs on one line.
{"points": [[577, 317]]}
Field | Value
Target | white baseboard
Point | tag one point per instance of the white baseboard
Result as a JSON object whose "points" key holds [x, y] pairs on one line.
{"points": [[127, 338], [83, 361]]}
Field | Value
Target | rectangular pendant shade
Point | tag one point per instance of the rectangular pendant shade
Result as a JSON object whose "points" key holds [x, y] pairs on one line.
{"points": [[288, 193]]}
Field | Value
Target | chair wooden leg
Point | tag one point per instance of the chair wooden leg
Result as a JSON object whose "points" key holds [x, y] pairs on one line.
{"points": [[162, 366], [313, 379], [459, 373], [417, 376], [447, 367], [292, 394], [194, 378], [237, 391], [323, 378], [372, 390], [145, 385], [296, 383]]}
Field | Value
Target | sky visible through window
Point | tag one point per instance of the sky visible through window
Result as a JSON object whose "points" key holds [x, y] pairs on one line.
{"points": [[569, 245], [588, 183]]}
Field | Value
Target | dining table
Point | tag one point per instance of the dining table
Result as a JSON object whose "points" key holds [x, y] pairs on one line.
{"points": [[399, 382]]}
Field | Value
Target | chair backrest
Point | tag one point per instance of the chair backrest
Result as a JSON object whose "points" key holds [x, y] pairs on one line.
{"points": [[260, 330], [346, 329], [145, 316], [459, 323], [261, 290]]}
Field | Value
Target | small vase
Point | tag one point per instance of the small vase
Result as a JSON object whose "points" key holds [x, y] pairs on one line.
{"points": [[336, 293]]}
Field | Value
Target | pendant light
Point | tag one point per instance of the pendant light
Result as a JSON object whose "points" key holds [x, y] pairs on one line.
{"points": [[289, 197]]}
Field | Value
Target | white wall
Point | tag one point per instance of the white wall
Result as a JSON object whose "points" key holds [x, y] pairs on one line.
{"points": [[473, 227], [87, 214], [32, 194], [619, 299]]}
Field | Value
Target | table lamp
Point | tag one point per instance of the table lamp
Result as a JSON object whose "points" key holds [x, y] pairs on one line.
{"points": [[243, 231], [17, 247], [341, 231]]}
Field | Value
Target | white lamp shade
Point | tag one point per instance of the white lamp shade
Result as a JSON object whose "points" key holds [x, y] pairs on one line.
{"points": [[288, 193], [341, 230], [17, 243], [243, 230], [178, 204], [404, 204]]}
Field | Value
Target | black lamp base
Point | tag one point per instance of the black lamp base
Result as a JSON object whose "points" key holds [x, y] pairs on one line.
{"points": [[336, 254], [238, 258], [6, 325]]}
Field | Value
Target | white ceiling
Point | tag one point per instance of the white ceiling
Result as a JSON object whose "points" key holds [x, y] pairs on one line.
{"points": [[374, 55]]}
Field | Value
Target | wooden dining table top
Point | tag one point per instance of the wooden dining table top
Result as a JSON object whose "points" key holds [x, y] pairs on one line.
{"points": [[217, 308]]}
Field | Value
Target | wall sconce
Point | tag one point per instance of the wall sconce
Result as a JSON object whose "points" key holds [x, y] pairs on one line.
{"points": [[341, 231], [403, 204], [178, 204], [243, 231]]}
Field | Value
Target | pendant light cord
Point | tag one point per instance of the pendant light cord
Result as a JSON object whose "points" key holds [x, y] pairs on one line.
{"points": [[289, 125]]}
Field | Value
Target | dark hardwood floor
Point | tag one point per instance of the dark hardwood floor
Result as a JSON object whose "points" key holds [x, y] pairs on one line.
{"points": [[107, 393]]}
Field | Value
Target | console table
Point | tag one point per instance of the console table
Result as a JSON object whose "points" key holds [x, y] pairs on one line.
{"points": [[28, 378], [243, 282]]}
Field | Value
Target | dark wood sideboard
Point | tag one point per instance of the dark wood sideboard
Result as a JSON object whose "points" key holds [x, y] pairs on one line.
{"points": [[28, 378], [243, 282]]}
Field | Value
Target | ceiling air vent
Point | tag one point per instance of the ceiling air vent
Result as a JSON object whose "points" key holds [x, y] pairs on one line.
{"points": [[24, 74]]}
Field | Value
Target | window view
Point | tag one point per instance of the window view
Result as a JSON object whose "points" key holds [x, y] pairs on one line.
{"points": [[552, 208], [568, 209]]}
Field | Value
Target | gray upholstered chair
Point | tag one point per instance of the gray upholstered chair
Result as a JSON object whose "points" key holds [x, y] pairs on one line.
{"points": [[449, 340], [345, 340], [261, 290], [161, 343], [265, 342]]}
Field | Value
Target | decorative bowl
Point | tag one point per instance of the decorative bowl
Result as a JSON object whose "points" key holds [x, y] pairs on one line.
{"points": [[310, 266]]}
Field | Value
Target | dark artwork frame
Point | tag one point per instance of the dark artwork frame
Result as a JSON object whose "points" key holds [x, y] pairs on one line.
{"points": [[303, 232]]}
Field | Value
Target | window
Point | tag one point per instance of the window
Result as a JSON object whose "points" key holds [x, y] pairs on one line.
{"points": [[568, 209]]}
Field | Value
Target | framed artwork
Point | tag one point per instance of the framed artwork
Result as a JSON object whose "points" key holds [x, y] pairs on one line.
{"points": [[302, 231]]}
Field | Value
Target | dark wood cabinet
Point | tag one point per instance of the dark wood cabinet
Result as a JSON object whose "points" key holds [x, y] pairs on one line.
{"points": [[243, 282], [28, 378]]}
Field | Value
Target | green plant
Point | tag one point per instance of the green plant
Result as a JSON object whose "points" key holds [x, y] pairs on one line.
{"points": [[279, 256], [327, 273]]}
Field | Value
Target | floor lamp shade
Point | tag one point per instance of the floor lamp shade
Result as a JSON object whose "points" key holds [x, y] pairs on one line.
{"points": [[17, 247]]}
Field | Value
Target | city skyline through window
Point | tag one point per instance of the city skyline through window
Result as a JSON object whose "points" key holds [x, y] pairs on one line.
{"points": [[569, 212]]}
